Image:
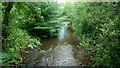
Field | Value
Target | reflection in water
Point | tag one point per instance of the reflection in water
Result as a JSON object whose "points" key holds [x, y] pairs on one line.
{"points": [[64, 35]]}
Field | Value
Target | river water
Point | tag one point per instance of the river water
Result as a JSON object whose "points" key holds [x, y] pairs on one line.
{"points": [[65, 35], [56, 51]]}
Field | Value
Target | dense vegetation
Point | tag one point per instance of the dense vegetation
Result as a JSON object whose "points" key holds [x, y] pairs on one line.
{"points": [[98, 27], [96, 24], [26, 24]]}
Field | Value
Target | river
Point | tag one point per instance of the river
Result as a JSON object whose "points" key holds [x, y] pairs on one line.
{"points": [[65, 35], [56, 51]]}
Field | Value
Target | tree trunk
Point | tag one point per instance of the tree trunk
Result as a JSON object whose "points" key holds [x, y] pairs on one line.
{"points": [[6, 19], [7, 12]]}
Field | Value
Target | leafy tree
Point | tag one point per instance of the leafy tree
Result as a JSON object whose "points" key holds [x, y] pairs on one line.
{"points": [[97, 26], [23, 26]]}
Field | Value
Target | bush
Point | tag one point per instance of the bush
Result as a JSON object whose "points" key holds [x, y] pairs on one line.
{"points": [[97, 25]]}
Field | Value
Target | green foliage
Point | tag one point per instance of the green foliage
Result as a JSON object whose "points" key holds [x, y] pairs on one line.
{"points": [[97, 25], [27, 22], [48, 27], [18, 38], [39, 19]]}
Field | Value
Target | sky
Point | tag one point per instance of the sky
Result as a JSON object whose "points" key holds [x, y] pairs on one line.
{"points": [[62, 1]]}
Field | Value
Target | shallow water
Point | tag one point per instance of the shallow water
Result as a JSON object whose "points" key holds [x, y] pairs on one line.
{"points": [[64, 35], [56, 51]]}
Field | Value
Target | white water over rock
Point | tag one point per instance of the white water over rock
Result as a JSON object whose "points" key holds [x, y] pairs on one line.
{"points": [[61, 55]]}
